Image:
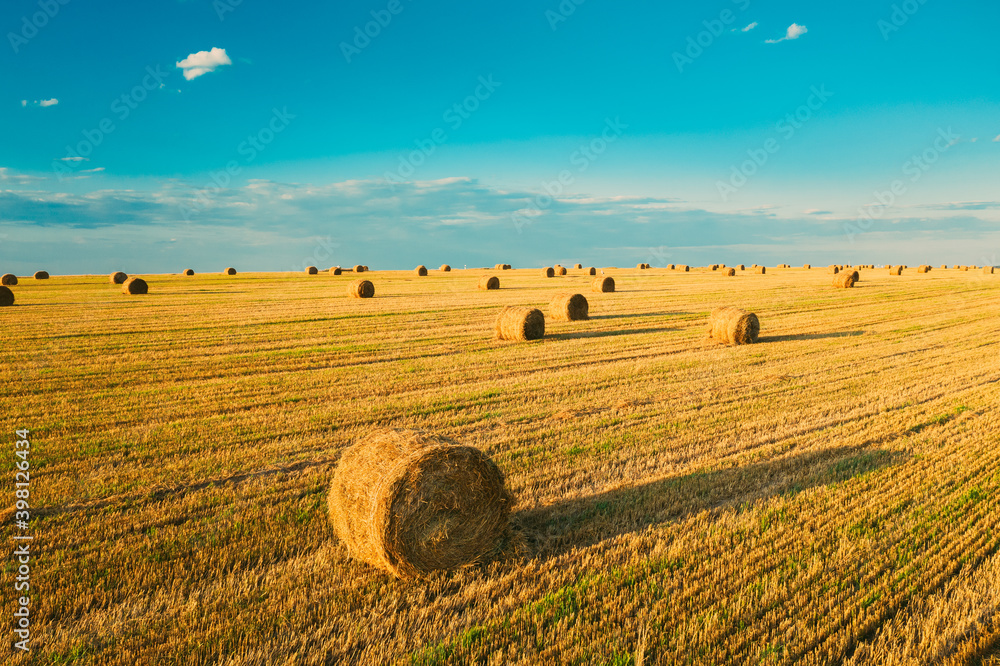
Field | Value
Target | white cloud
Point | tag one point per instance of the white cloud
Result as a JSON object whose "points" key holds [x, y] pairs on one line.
{"points": [[48, 102], [95, 170], [794, 32], [749, 27], [997, 140], [203, 62], [74, 158], [24, 102]]}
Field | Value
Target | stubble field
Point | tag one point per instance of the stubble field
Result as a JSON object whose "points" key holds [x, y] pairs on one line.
{"points": [[829, 494]]}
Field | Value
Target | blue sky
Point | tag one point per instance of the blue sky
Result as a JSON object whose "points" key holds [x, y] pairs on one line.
{"points": [[472, 133]]}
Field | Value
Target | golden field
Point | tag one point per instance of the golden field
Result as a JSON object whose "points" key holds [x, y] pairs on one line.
{"points": [[829, 494]]}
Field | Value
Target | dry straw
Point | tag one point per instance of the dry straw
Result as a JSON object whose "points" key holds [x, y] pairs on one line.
{"points": [[445, 268], [489, 282], [230, 271], [135, 286], [8, 280], [420, 270], [412, 503], [569, 307], [604, 284], [548, 272], [514, 323], [336, 270], [42, 275], [188, 271], [361, 289], [6, 297], [729, 272], [733, 326], [312, 270], [896, 270], [845, 280]]}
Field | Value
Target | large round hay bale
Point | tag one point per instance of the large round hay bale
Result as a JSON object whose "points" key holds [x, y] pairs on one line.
{"points": [[807, 266], [577, 265], [760, 270], [515, 323], [489, 282], [569, 307], [361, 289], [8, 280], [742, 267], [733, 326], [412, 503], [895, 270], [135, 286], [445, 268], [420, 270], [312, 270], [844, 280], [188, 271], [604, 284], [671, 266], [640, 266], [561, 270], [358, 268], [230, 271], [685, 268], [834, 269], [729, 272], [336, 270], [923, 268], [42, 275], [987, 270], [714, 267], [507, 267], [548, 272], [117, 277], [590, 271], [6, 297]]}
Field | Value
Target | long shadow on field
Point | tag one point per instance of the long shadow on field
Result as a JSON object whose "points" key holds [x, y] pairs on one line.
{"points": [[605, 334], [639, 315], [554, 529], [809, 336]]}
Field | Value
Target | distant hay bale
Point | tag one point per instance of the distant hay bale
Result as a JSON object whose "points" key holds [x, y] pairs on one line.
{"points": [[641, 267], [923, 268], [445, 268], [730, 272], [760, 270], [365, 268], [742, 267], [895, 270], [135, 286], [336, 270], [514, 323], [945, 266], [987, 270], [671, 266], [312, 270], [856, 275], [561, 270], [8, 280], [955, 267], [569, 307], [684, 268], [548, 272], [116, 278], [714, 267], [507, 267], [412, 503], [489, 282], [834, 269], [591, 271], [6, 297], [189, 272], [604, 284], [230, 271], [733, 326], [358, 268], [963, 268], [361, 289], [844, 280], [420, 270], [577, 265], [42, 275]]}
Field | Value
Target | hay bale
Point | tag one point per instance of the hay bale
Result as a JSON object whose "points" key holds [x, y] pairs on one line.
{"points": [[420, 270], [604, 284], [760, 270], [671, 266], [896, 270], [548, 272], [358, 268], [923, 268], [964, 268], [641, 267], [945, 266], [336, 270], [188, 271], [8, 280], [569, 307], [833, 269], [117, 277], [561, 270], [684, 268], [411, 503], [714, 267], [987, 270], [577, 265], [590, 271], [729, 272], [507, 267], [445, 268], [515, 323], [42, 275], [312, 270], [6, 297], [489, 282], [135, 286], [742, 267], [361, 289], [230, 271], [733, 326], [845, 280]]}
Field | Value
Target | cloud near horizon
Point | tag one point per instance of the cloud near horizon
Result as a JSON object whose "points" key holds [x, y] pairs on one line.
{"points": [[203, 62], [794, 32]]}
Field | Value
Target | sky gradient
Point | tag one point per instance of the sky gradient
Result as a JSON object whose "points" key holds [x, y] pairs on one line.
{"points": [[205, 133]]}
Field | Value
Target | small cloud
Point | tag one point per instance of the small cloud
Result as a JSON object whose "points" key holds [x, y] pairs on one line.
{"points": [[997, 139], [75, 158], [973, 140], [816, 211], [24, 102], [794, 32], [95, 170], [749, 27], [48, 102], [203, 62]]}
